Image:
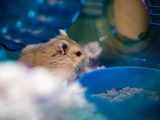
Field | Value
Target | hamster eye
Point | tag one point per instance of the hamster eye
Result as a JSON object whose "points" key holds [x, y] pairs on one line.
{"points": [[78, 53]]}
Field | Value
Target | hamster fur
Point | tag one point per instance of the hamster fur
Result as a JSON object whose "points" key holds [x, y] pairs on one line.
{"points": [[60, 55]]}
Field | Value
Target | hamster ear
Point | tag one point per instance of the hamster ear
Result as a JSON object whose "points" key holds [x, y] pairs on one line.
{"points": [[62, 32], [63, 46]]}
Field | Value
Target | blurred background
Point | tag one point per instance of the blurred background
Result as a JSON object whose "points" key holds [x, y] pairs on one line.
{"points": [[127, 30]]}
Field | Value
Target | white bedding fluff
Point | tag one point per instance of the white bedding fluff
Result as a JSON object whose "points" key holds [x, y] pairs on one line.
{"points": [[33, 94]]}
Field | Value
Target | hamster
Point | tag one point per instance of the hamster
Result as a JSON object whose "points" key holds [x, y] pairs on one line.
{"points": [[60, 55]]}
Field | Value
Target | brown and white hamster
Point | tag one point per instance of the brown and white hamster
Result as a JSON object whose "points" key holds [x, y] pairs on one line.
{"points": [[60, 55]]}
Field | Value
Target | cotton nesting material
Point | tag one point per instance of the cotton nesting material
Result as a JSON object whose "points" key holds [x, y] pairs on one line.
{"points": [[34, 94]]}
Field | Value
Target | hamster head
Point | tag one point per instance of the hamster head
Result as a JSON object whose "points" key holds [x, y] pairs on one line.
{"points": [[68, 53], [60, 54]]}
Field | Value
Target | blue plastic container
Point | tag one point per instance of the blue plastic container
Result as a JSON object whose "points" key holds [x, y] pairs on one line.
{"points": [[141, 106]]}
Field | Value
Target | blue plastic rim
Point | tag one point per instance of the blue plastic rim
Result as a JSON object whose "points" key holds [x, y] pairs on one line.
{"points": [[108, 78], [99, 81]]}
